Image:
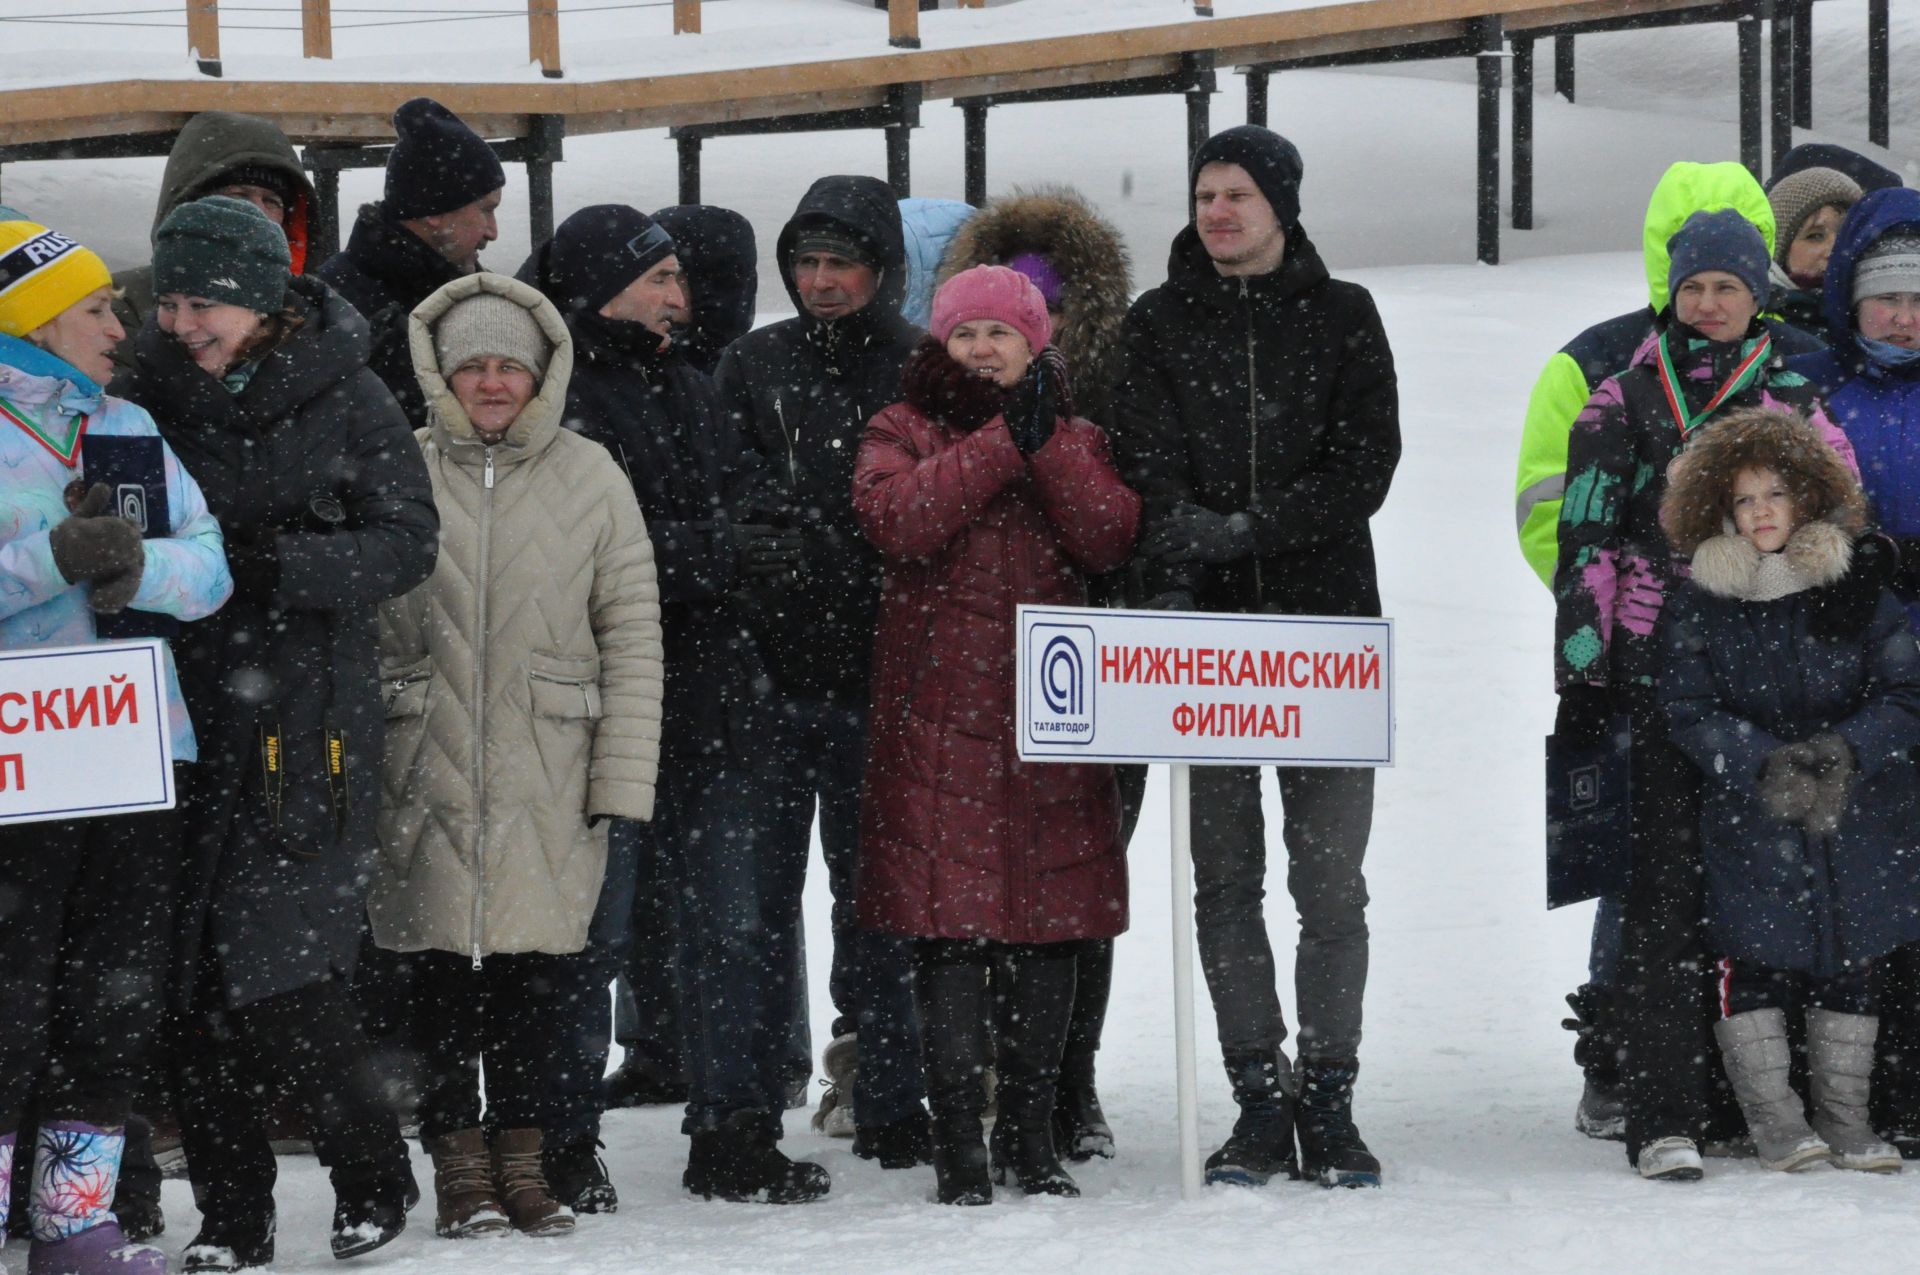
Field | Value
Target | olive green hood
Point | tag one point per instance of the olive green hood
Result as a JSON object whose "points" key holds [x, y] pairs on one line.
{"points": [[215, 143]]}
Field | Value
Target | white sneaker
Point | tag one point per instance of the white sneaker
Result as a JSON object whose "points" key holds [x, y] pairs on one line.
{"points": [[841, 1061], [1671, 1160]]}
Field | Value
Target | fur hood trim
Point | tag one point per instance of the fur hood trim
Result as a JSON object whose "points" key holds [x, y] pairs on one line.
{"points": [[1728, 565], [1699, 497], [1059, 223]]}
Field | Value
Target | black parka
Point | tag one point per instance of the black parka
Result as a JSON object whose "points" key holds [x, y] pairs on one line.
{"points": [[313, 456], [1274, 395], [801, 393], [384, 272], [662, 423], [722, 264]]}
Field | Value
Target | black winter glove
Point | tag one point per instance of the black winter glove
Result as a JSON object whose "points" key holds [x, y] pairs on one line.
{"points": [[1192, 533], [1845, 608], [92, 544], [1038, 400], [1584, 718], [763, 551], [254, 560]]}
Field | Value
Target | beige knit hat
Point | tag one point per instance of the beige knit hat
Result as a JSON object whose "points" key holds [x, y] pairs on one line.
{"points": [[487, 323], [1800, 195]]}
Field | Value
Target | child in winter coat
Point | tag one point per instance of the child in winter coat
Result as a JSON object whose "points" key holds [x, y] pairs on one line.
{"points": [[86, 905], [983, 491], [1807, 828]]}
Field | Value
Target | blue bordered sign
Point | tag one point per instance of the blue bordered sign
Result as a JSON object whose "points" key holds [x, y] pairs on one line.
{"points": [[84, 732]]}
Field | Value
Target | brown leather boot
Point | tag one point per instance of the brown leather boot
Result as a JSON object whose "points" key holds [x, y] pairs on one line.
{"points": [[522, 1183], [463, 1193]]}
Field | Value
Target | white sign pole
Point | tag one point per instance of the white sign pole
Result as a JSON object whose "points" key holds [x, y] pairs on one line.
{"points": [[1180, 780]]}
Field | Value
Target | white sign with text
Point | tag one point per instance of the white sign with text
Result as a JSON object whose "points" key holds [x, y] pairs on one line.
{"points": [[84, 732], [1097, 685]]}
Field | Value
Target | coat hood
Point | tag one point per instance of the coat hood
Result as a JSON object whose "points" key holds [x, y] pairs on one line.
{"points": [[213, 144], [868, 208], [537, 423], [929, 226], [1880, 212], [1698, 499], [1093, 263], [722, 262], [1685, 189], [1730, 566]]}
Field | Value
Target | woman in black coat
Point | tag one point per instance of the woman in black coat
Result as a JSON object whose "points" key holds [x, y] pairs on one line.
{"points": [[259, 382], [1808, 826]]}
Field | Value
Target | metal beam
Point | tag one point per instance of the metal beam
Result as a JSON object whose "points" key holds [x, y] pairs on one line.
{"points": [[1488, 61], [1748, 29], [1563, 65], [325, 231], [1803, 64], [1458, 47], [1522, 133], [1878, 44], [1257, 77], [974, 124], [688, 147], [1780, 86]]}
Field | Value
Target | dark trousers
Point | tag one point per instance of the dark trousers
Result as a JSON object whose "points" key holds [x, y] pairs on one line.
{"points": [[819, 756], [646, 1018], [1664, 989], [1896, 1073], [1328, 814], [308, 1044], [86, 932], [534, 1023], [1745, 987]]}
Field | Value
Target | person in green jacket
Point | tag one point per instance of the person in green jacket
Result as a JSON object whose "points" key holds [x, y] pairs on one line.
{"points": [[1565, 384]]}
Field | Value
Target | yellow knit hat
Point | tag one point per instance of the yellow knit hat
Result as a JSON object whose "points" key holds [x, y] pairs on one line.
{"points": [[42, 272]]}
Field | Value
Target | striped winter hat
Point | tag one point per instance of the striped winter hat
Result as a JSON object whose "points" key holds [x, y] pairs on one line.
{"points": [[42, 272]]}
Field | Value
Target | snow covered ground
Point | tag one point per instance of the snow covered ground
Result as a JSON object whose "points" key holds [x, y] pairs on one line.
{"points": [[1467, 1088]]}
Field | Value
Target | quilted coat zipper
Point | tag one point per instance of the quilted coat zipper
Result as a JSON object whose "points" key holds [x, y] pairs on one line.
{"points": [[1253, 432], [480, 707]]}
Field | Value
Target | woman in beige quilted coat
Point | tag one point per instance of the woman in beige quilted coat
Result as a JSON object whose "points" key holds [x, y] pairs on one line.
{"points": [[522, 686]]}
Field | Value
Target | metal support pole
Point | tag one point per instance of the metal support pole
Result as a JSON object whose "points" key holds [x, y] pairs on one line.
{"points": [[1878, 42], [974, 119], [1257, 95], [1199, 123], [1780, 74], [689, 148], [899, 160], [1749, 34], [1522, 133], [325, 231], [540, 199], [1563, 66], [1186, 1071], [1803, 64], [1488, 183]]}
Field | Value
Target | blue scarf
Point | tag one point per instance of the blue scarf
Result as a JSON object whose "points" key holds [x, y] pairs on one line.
{"points": [[1886, 354]]}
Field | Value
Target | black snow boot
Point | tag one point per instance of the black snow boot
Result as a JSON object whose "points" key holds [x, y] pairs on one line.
{"points": [[231, 1244], [898, 1144], [1602, 1112], [136, 1197], [1080, 1129], [370, 1203], [644, 1081], [741, 1161], [1331, 1151], [577, 1176], [1035, 1000], [950, 1000], [1260, 1147]]}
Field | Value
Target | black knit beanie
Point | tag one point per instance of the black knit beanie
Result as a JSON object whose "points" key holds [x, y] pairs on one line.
{"points": [[1271, 160], [438, 165], [596, 253], [225, 250]]}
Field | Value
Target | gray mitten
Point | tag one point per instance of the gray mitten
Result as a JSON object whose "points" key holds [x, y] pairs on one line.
{"points": [[114, 594], [1834, 768], [1790, 782], [93, 544]]}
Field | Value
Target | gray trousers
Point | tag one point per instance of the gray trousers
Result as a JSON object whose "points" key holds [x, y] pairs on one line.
{"points": [[1327, 814]]}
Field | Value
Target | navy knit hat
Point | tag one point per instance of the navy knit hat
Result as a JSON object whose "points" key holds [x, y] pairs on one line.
{"points": [[596, 253], [1271, 160], [223, 249], [1722, 240], [438, 165]]}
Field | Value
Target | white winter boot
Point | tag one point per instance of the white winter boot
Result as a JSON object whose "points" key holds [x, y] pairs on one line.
{"points": [[1754, 1048], [1839, 1072]]}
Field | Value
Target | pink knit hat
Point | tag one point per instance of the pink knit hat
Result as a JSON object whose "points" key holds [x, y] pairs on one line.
{"points": [[992, 292]]}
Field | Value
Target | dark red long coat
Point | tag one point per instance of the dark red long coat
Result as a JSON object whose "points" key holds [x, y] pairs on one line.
{"points": [[958, 838]]}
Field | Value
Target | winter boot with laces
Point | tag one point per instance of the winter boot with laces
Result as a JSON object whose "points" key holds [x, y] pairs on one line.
{"points": [[578, 1176], [950, 998], [521, 1180], [75, 1166], [1331, 1150], [1035, 1001], [841, 1061], [740, 1160], [370, 1202], [1839, 1074], [1602, 1112], [465, 1204], [1759, 1063], [1260, 1147]]}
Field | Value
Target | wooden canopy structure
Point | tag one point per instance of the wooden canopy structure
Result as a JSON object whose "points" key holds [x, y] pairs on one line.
{"points": [[347, 123]]}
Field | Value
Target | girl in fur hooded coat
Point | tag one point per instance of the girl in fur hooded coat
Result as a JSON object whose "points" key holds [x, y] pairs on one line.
{"points": [[1807, 830]]}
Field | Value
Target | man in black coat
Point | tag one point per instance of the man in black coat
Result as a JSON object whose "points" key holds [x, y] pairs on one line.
{"points": [[802, 391], [1258, 417], [614, 275], [443, 187], [720, 270]]}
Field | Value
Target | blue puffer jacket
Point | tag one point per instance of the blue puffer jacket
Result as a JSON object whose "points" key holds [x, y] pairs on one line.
{"points": [[185, 574], [1878, 407], [929, 225]]}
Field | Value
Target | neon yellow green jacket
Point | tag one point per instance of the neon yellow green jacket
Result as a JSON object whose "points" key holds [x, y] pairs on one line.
{"points": [[1571, 375]]}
